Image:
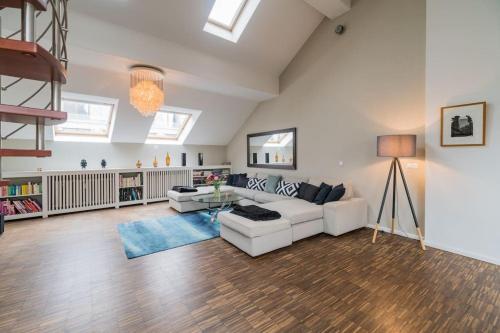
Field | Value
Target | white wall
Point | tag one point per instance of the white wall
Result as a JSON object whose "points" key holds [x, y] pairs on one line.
{"points": [[67, 156], [463, 184], [342, 91]]}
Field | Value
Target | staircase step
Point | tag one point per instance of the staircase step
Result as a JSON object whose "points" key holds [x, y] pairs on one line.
{"points": [[39, 4], [25, 153], [30, 61], [24, 115]]}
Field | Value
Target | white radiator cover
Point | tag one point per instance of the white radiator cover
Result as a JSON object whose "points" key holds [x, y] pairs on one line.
{"points": [[74, 191]]}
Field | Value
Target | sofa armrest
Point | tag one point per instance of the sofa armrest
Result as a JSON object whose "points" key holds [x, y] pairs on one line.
{"points": [[344, 216]]}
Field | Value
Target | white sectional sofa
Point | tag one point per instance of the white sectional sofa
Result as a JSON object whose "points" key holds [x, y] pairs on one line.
{"points": [[299, 218]]}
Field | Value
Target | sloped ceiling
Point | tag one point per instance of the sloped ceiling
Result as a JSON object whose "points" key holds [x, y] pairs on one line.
{"points": [[224, 80]]}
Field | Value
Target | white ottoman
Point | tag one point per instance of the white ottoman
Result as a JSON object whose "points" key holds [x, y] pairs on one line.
{"points": [[255, 237]]}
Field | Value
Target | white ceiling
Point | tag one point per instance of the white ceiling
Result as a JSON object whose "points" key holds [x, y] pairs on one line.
{"points": [[273, 36], [203, 72]]}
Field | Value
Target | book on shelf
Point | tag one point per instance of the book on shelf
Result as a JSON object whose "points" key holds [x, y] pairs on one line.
{"points": [[131, 194], [16, 207], [21, 189], [129, 181]]}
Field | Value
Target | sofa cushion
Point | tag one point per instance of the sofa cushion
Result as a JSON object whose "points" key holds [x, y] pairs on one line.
{"points": [[307, 192], [264, 197], [251, 228], [335, 194], [324, 190], [349, 192], [242, 182], [245, 192], [272, 183], [257, 184], [296, 210], [183, 197], [233, 178], [288, 189]]}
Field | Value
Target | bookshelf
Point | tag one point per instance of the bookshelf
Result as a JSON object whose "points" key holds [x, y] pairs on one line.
{"points": [[131, 188], [200, 174], [22, 198], [64, 191]]}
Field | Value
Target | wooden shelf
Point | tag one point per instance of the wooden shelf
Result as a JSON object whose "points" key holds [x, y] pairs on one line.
{"points": [[29, 61], [22, 216], [39, 4], [24, 115], [25, 153], [21, 196]]}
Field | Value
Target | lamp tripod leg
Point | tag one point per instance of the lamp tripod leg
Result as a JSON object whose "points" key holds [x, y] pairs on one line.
{"points": [[393, 169], [422, 244]]}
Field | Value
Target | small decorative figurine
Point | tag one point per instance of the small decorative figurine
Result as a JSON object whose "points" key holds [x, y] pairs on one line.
{"points": [[103, 163], [200, 159], [138, 164], [155, 163], [276, 158], [83, 163], [167, 159]]}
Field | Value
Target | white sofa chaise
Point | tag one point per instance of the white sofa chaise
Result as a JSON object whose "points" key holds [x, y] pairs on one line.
{"points": [[299, 218]]}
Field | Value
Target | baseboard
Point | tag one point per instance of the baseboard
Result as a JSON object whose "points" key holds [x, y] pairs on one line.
{"points": [[440, 246], [396, 231], [472, 255]]}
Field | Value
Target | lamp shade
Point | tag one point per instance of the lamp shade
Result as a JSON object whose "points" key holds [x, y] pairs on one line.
{"points": [[397, 145]]}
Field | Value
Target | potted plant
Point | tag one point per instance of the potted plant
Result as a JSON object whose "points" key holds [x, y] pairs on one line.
{"points": [[216, 181]]}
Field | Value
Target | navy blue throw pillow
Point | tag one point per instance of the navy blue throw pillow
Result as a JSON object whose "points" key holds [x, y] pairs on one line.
{"points": [[242, 181], [336, 193], [308, 192], [324, 190]]}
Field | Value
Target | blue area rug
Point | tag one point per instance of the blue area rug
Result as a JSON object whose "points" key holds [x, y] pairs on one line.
{"points": [[141, 238]]}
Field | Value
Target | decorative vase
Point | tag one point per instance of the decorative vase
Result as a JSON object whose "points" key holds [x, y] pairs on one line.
{"points": [[276, 158], [138, 164], [167, 160], [155, 163], [183, 159], [217, 190], [200, 159]]}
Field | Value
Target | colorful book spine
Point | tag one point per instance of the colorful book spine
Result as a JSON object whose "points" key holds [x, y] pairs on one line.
{"points": [[22, 189]]}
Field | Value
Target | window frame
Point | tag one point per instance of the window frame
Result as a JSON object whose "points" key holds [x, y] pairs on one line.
{"points": [[239, 25], [183, 133], [179, 133], [234, 20], [87, 137]]}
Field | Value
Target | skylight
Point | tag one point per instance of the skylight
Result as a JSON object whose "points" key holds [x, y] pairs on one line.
{"points": [[229, 18], [168, 125], [90, 118], [172, 125], [225, 13]]}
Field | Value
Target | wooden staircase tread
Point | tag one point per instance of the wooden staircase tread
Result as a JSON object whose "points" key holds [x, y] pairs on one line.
{"points": [[30, 61], [25, 153], [39, 4], [24, 115]]}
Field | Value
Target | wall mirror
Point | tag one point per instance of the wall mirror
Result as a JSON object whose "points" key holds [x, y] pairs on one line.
{"points": [[273, 149]]}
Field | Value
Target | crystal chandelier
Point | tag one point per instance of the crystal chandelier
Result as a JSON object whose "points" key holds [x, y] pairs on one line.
{"points": [[146, 89]]}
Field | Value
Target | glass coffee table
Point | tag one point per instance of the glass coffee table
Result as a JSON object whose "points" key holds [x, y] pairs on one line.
{"points": [[217, 203]]}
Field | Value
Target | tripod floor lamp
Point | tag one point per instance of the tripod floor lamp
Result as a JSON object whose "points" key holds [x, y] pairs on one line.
{"points": [[397, 146]]}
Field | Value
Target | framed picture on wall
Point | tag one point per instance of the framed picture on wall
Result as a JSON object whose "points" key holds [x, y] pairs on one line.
{"points": [[463, 125]]}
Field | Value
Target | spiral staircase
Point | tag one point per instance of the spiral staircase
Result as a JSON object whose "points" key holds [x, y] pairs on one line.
{"points": [[22, 57]]}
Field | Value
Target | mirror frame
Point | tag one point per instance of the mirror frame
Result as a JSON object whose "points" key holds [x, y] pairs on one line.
{"points": [[270, 166]]}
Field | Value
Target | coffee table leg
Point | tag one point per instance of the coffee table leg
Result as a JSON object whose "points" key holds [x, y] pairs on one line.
{"points": [[215, 212]]}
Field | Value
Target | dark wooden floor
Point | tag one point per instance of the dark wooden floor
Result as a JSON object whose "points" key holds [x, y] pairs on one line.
{"points": [[69, 274]]}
